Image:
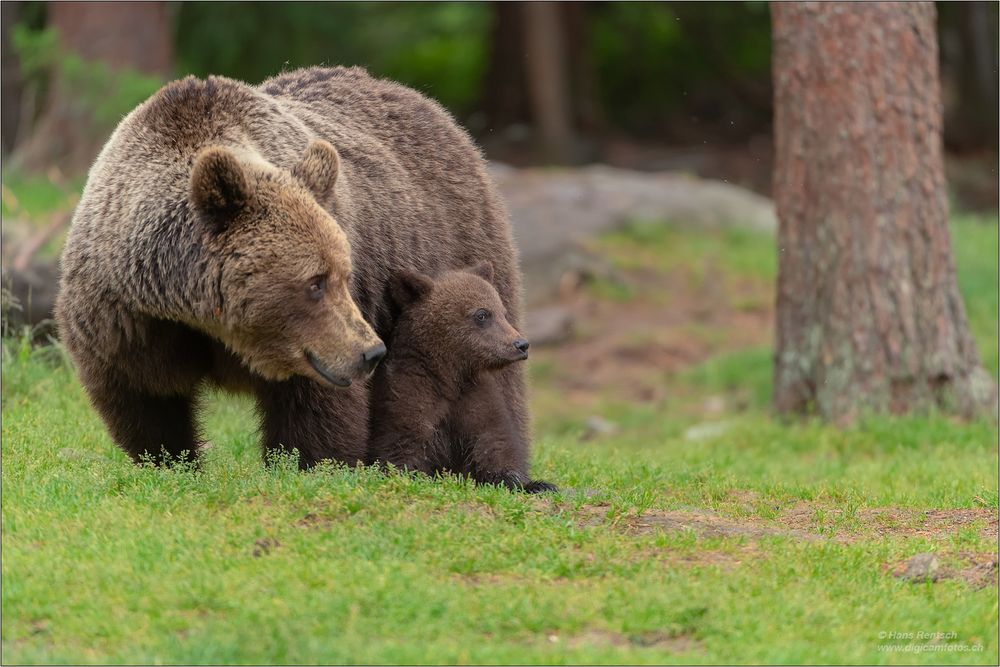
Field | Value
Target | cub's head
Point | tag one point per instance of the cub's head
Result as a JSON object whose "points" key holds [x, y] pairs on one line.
{"points": [[284, 304], [456, 319]]}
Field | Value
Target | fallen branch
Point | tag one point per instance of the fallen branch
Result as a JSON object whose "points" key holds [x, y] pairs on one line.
{"points": [[36, 241]]}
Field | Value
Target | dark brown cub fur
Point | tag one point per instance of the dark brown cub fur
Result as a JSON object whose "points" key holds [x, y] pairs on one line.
{"points": [[436, 391]]}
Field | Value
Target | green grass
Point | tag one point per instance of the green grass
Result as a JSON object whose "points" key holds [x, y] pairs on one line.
{"points": [[33, 197], [240, 563], [748, 253], [976, 245]]}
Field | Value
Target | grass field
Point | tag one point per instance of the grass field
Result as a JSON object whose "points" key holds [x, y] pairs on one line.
{"points": [[697, 529]]}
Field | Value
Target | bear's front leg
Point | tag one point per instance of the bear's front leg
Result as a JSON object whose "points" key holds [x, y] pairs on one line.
{"points": [[320, 422], [498, 453], [160, 429], [413, 447]]}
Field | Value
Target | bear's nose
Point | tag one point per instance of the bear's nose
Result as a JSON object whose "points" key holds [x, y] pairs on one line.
{"points": [[373, 355], [522, 344]]}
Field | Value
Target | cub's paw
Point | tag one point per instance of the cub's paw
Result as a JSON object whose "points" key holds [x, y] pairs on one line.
{"points": [[516, 481], [538, 486], [512, 479]]}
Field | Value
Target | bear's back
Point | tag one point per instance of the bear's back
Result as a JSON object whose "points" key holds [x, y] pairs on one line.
{"points": [[420, 196]]}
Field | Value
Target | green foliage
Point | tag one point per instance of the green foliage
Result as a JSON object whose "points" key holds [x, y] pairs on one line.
{"points": [[438, 48], [103, 94], [106, 93], [651, 59], [36, 50], [687, 50]]}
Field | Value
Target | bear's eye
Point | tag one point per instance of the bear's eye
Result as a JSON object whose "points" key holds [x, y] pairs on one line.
{"points": [[317, 287], [482, 316]]}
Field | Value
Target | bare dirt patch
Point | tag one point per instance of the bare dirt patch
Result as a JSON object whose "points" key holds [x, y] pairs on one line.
{"points": [[804, 522], [627, 349], [315, 521], [723, 559], [264, 546], [816, 523], [664, 641], [935, 524], [490, 578], [977, 569]]}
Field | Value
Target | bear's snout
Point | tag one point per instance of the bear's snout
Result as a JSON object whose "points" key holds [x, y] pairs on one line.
{"points": [[371, 357], [521, 345]]}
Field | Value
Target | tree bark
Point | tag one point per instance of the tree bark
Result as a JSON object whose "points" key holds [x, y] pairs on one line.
{"points": [[588, 113], [869, 317], [548, 81], [504, 98], [134, 35]]}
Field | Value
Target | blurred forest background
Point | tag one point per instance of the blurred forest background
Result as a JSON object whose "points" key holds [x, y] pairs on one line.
{"points": [[595, 116], [652, 86]]}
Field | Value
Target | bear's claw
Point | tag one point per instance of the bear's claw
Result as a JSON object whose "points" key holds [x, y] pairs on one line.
{"points": [[538, 486]]}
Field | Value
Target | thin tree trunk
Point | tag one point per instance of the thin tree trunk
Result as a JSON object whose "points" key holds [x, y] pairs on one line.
{"points": [[548, 82], [869, 317], [585, 89], [504, 98]]}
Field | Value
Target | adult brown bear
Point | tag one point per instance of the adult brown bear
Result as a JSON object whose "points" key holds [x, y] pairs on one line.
{"points": [[244, 236]]}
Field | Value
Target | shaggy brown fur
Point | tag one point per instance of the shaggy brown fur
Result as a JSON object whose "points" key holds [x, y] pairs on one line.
{"points": [[216, 213], [436, 411]]}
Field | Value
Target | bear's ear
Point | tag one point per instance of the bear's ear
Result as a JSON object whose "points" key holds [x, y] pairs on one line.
{"points": [[408, 287], [220, 188], [484, 270], [318, 169]]}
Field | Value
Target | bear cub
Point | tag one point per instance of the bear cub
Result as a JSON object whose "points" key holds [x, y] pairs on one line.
{"points": [[450, 334]]}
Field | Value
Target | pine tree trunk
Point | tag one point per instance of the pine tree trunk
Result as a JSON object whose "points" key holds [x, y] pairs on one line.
{"points": [[548, 80], [504, 98], [869, 317]]}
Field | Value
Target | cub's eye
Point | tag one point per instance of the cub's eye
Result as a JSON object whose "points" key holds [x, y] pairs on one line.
{"points": [[482, 316], [317, 287]]}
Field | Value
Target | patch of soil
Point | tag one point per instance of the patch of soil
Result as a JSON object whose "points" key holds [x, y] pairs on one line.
{"points": [[719, 558], [264, 546], [490, 578], [977, 569], [314, 521], [705, 523], [627, 349], [891, 522], [664, 641], [802, 522], [814, 523]]}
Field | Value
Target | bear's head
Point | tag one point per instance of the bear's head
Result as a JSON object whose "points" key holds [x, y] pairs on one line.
{"points": [[285, 266], [456, 320]]}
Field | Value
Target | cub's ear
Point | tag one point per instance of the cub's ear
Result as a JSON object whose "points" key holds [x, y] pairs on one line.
{"points": [[408, 287], [484, 270], [318, 169], [220, 188]]}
